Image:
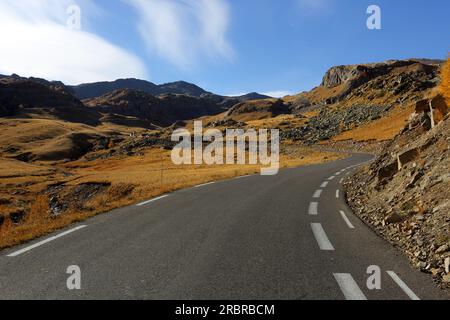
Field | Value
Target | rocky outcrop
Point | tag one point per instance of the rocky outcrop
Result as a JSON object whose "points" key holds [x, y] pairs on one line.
{"points": [[404, 195], [395, 78]]}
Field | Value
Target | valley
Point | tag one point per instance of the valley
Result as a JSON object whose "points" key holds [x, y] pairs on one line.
{"points": [[68, 153]]}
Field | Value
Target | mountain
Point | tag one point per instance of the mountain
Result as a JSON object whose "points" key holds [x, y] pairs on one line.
{"points": [[163, 110], [385, 82], [22, 97], [97, 89]]}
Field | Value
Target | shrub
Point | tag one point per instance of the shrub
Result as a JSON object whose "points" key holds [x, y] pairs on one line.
{"points": [[445, 81]]}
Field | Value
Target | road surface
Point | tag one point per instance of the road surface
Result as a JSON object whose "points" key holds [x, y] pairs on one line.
{"points": [[289, 236]]}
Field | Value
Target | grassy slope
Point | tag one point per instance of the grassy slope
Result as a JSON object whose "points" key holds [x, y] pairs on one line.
{"points": [[131, 179]]}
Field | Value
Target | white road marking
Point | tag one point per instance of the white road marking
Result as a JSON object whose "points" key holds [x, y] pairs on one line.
{"points": [[321, 237], [324, 185], [331, 178], [403, 285], [349, 287], [38, 244], [313, 209], [337, 194], [337, 173], [347, 221], [152, 200], [317, 194], [242, 177], [341, 181], [205, 184]]}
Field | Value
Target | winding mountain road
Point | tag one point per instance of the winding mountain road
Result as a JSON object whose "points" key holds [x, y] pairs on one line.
{"points": [[289, 236]]}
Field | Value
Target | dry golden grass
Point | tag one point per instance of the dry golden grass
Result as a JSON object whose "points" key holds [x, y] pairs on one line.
{"points": [[132, 180], [382, 129], [445, 82], [276, 122]]}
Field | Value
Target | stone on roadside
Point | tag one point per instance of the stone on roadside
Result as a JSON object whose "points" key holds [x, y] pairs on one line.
{"points": [[442, 249], [447, 265]]}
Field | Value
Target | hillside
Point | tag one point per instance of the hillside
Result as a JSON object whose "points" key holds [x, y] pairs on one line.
{"points": [[162, 111], [405, 193]]}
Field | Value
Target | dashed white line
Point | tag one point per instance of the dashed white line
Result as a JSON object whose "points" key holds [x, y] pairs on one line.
{"points": [[347, 221], [337, 173], [337, 194], [321, 237], [313, 209], [152, 200], [403, 285], [341, 181], [205, 184], [324, 185], [349, 287], [317, 194], [38, 244], [331, 178]]}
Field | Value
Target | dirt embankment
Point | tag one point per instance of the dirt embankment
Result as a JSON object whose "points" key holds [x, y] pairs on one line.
{"points": [[405, 195]]}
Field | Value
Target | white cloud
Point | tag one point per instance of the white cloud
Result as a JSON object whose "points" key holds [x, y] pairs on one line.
{"points": [[36, 42], [184, 31], [277, 94]]}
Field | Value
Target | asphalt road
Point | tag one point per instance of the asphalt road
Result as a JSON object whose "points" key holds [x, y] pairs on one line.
{"points": [[256, 237]]}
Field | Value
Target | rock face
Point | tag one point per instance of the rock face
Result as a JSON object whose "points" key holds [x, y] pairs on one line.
{"points": [[360, 74], [404, 194], [391, 80], [341, 74]]}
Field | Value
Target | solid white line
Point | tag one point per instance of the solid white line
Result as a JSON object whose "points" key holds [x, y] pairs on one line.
{"points": [[349, 287], [205, 184], [317, 194], [324, 185], [242, 177], [331, 178], [321, 237], [15, 254], [403, 286], [313, 209], [337, 194], [347, 221], [152, 200]]}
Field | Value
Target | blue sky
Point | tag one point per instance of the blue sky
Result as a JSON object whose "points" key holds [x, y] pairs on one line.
{"points": [[225, 46]]}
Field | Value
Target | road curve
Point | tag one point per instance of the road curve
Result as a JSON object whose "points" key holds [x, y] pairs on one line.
{"points": [[289, 236]]}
